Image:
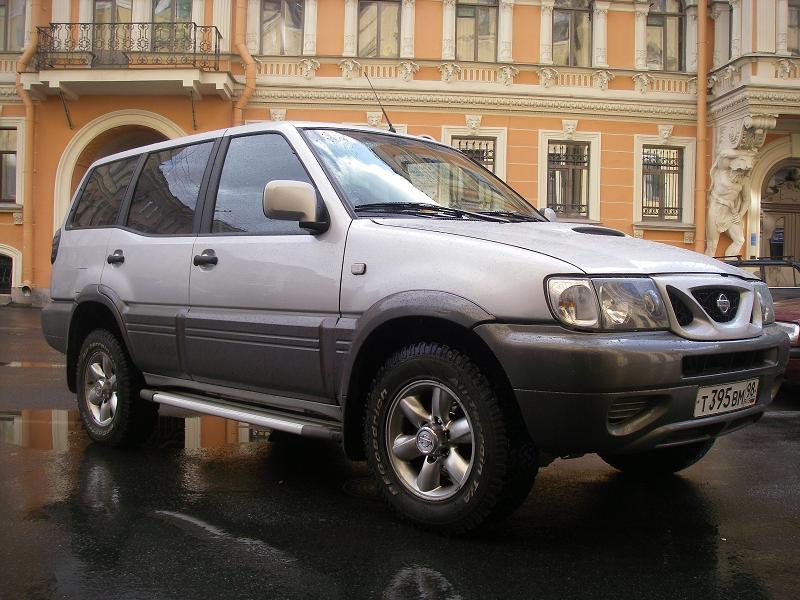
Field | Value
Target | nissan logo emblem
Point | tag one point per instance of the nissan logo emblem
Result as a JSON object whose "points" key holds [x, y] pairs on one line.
{"points": [[723, 304]]}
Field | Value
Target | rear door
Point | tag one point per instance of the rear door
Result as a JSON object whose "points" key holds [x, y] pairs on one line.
{"points": [[257, 313], [150, 254]]}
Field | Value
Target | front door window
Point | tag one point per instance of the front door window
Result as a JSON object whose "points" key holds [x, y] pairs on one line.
{"points": [[780, 212]]}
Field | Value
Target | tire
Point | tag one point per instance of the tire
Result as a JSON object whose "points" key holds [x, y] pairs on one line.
{"points": [[108, 383], [661, 461], [446, 451]]}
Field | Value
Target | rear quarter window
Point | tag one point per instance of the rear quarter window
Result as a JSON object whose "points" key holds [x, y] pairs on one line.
{"points": [[101, 199]]}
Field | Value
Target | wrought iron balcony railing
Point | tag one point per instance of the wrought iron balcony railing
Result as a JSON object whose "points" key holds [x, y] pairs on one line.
{"points": [[121, 45]]}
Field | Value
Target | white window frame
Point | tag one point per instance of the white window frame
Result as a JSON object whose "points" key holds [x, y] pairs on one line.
{"points": [[688, 146], [593, 137], [17, 123], [499, 133]]}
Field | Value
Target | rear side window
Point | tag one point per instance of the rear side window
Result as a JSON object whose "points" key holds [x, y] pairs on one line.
{"points": [[103, 193], [165, 198], [251, 162]]}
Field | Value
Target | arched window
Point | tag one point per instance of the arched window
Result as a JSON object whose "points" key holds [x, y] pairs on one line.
{"points": [[793, 34], [282, 27], [379, 29], [665, 26], [572, 33], [476, 30]]}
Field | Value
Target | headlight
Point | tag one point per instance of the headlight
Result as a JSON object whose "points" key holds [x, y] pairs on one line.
{"points": [[617, 304], [630, 304], [574, 302], [791, 329], [765, 299]]}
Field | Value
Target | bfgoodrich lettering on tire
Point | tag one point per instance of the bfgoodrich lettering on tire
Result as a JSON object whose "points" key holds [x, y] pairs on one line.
{"points": [[441, 441], [108, 393]]}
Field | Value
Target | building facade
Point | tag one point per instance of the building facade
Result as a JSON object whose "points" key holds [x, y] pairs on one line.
{"points": [[590, 107]]}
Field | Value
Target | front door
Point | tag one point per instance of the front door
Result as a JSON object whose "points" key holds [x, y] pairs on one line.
{"points": [[780, 213], [262, 289]]}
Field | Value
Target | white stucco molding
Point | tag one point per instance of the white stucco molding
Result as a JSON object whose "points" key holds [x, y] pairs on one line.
{"points": [[253, 35], [594, 138], [736, 28], [505, 32], [688, 145], [721, 13], [310, 28], [600, 33], [448, 29], [79, 142], [499, 133], [350, 47], [641, 7], [546, 33], [407, 29]]}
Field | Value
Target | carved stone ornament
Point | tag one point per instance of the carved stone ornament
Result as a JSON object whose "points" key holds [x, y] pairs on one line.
{"points": [[374, 118], [548, 77], [688, 237], [449, 71], [601, 79], [308, 67], [473, 123], [277, 114], [784, 68], [692, 84], [642, 81], [738, 144], [569, 127], [350, 68], [17, 217], [506, 74], [407, 69], [665, 133]]}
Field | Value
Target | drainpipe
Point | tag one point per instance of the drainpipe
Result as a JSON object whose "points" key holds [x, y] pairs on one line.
{"points": [[247, 59], [701, 170], [27, 167]]}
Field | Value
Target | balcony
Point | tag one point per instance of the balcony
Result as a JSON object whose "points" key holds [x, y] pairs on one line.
{"points": [[127, 45], [74, 59]]}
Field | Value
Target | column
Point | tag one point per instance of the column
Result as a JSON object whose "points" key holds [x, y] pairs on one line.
{"points": [[448, 29], [640, 35], [600, 34], [505, 32], [310, 28], [350, 28], [199, 12], [736, 29], [782, 27], [766, 28], [253, 35], [546, 33], [222, 19], [407, 29], [721, 12], [691, 38], [746, 21], [142, 11]]}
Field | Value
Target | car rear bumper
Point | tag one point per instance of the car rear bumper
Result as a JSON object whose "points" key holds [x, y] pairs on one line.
{"points": [[612, 393]]}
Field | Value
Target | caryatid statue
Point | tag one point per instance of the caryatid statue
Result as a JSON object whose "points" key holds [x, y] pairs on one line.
{"points": [[728, 201]]}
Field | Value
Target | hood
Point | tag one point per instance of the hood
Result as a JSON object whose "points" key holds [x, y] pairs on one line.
{"points": [[582, 246]]}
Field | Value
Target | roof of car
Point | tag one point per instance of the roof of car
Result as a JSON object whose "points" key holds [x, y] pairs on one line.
{"points": [[281, 126]]}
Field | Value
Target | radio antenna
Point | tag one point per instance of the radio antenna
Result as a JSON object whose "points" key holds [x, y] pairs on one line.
{"points": [[383, 110]]}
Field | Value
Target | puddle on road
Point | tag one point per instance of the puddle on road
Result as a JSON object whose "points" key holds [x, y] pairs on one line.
{"points": [[54, 429]]}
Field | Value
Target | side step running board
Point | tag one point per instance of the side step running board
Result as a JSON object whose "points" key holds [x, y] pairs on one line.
{"points": [[297, 424]]}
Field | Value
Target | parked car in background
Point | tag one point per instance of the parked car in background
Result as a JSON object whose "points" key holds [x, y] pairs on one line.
{"points": [[782, 275], [787, 315]]}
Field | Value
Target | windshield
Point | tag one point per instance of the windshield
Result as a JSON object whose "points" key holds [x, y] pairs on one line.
{"points": [[375, 169]]}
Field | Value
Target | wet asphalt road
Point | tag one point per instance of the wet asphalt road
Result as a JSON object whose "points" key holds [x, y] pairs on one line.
{"points": [[209, 508]]}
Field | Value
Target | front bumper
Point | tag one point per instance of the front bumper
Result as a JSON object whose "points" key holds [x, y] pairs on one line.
{"points": [[566, 382]]}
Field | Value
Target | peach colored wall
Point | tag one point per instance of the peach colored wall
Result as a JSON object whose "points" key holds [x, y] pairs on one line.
{"points": [[428, 29], [330, 27], [620, 37], [526, 33]]}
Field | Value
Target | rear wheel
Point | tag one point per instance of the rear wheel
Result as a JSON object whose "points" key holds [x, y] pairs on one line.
{"points": [[660, 461], [108, 393], [444, 448]]}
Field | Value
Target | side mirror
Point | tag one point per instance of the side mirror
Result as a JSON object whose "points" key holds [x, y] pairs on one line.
{"points": [[550, 215], [293, 201]]}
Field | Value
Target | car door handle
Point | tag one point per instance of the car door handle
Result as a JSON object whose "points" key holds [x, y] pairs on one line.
{"points": [[206, 258], [115, 259]]}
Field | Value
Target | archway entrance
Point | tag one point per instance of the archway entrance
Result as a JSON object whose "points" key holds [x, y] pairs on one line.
{"points": [[6, 266], [112, 141], [780, 210]]}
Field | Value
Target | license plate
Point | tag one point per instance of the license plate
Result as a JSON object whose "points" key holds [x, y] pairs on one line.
{"points": [[725, 397]]}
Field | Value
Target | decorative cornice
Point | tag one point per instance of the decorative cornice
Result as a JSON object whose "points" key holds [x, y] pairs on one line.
{"points": [[446, 101]]}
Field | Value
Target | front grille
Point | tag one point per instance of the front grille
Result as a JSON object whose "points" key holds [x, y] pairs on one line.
{"points": [[710, 298], [682, 312], [710, 364], [627, 408]]}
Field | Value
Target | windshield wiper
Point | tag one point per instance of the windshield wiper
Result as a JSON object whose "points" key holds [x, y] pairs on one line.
{"points": [[512, 215], [425, 209]]}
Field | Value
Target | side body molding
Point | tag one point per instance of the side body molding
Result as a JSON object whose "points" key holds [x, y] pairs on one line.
{"points": [[434, 304]]}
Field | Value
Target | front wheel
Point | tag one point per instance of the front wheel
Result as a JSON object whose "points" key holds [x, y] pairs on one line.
{"points": [[660, 461], [446, 451], [108, 393]]}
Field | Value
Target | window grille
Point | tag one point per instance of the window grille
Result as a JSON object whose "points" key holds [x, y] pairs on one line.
{"points": [[479, 149], [662, 183], [568, 178]]}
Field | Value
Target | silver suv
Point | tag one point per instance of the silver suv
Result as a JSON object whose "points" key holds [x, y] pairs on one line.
{"points": [[388, 292]]}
